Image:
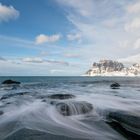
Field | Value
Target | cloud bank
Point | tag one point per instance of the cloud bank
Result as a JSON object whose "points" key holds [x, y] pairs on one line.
{"points": [[8, 13]]}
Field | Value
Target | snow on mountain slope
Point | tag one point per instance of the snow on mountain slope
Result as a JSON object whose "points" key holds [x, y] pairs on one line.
{"points": [[112, 68]]}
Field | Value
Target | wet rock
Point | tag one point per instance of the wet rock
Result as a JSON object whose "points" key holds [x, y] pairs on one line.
{"points": [[130, 122], [12, 95], [44, 100], [74, 108], [30, 134], [10, 82], [8, 103], [61, 96], [1, 112], [119, 128], [115, 85], [53, 102]]}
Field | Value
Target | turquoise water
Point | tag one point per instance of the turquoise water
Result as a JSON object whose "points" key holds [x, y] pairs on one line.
{"points": [[28, 113]]}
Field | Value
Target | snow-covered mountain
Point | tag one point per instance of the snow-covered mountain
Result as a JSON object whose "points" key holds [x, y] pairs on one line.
{"points": [[112, 68]]}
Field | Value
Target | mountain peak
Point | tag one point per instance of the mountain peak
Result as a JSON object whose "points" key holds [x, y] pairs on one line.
{"points": [[113, 68]]}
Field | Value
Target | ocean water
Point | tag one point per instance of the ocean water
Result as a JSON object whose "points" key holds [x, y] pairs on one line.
{"points": [[95, 112]]}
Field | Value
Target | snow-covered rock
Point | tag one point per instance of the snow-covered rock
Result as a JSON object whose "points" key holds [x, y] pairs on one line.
{"points": [[112, 68]]}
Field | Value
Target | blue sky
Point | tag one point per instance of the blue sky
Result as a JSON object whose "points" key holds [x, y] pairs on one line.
{"points": [[61, 37]]}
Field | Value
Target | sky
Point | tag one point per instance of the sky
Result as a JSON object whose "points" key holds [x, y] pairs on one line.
{"points": [[64, 37]]}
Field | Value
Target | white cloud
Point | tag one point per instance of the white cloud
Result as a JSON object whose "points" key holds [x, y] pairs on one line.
{"points": [[7, 13], [72, 55], [16, 67], [137, 44], [111, 23], [40, 39], [132, 44], [72, 37], [45, 61], [82, 7], [43, 53], [134, 7], [124, 43], [56, 71], [133, 25], [2, 59], [33, 60], [64, 63], [99, 40], [87, 30], [131, 59]]}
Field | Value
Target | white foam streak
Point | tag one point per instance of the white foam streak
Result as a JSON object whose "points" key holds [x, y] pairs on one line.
{"points": [[44, 117]]}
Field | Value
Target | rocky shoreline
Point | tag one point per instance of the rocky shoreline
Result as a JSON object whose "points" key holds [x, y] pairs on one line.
{"points": [[98, 110]]}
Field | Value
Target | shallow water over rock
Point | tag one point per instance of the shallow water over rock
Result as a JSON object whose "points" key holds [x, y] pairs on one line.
{"points": [[74, 108]]}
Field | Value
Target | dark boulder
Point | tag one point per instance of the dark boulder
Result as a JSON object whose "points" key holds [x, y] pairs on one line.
{"points": [[126, 121], [10, 82], [74, 108], [115, 85], [61, 96], [1, 112], [120, 129]]}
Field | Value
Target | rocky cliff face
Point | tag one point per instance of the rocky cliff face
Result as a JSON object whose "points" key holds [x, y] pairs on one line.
{"points": [[113, 68]]}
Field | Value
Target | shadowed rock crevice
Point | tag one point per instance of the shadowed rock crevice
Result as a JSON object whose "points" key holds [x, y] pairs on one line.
{"points": [[61, 96]]}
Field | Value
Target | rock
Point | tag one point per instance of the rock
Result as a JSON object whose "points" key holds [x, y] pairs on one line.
{"points": [[13, 95], [119, 128], [53, 102], [31, 134], [74, 108], [130, 122], [1, 112], [10, 82], [61, 96], [115, 85], [44, 100]]}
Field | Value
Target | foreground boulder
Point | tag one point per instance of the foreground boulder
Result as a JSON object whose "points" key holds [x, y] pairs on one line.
{"points": [[74, 108], [115, 85], [126, 122], [61, 96], [10, 82]]}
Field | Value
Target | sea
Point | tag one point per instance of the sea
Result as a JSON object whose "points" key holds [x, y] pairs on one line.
{"points": [[70, 108]]}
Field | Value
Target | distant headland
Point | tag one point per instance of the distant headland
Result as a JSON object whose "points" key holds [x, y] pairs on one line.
{"points": [[112, 68]]}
